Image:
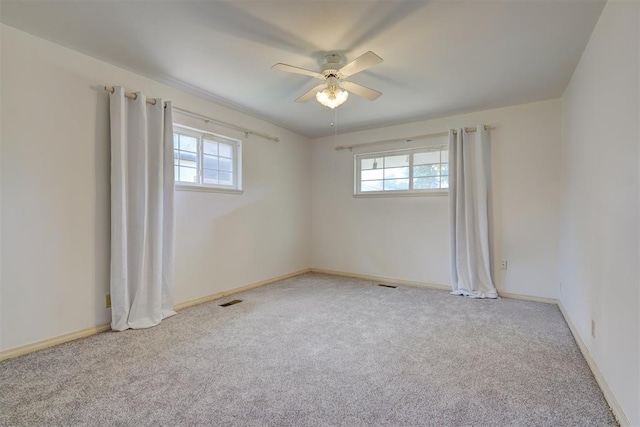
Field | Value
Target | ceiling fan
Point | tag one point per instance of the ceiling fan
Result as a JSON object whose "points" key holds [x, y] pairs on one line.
{"points": [[335, 90]]}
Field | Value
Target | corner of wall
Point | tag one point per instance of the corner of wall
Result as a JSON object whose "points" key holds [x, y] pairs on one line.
{"points": [[599, 239]]}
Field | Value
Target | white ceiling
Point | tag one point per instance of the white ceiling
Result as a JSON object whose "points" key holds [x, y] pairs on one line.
{"points": [[440, 57]]}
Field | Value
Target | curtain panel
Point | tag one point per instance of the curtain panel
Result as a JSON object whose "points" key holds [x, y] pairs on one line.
{"points": [[142, 211], [469, 179]]}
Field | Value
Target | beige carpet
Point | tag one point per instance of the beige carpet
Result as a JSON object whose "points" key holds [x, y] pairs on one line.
{"points": [[318, 350]]}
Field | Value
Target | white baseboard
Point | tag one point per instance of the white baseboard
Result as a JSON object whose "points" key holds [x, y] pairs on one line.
{"points": [[254, 285], [426, 284], [50, 342], [527, 297], [61, 339], [621, 417], [382, 279]]}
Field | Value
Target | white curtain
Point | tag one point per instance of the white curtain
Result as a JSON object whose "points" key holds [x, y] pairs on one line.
{"points": [[469, 177], [142, 219]]}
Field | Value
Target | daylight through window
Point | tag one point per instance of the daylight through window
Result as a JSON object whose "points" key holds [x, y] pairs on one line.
{"points": [[205, 159], [418, 170]]}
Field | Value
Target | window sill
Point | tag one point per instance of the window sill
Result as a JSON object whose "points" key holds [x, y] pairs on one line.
{"points": [[206, 188], [402, 194]]}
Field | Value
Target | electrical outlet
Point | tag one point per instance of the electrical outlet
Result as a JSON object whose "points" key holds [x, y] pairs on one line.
{"points": [[593, 328], [503, 264], [107, 301]]}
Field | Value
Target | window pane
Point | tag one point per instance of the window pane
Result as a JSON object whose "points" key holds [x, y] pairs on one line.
{"points": [[225, 164], [188, 174], [369, 164], [422, 183], [396, 173], [201, 158], [210, 162], [188, 143], [188, 164], [395, 161], [445, 156], [426, 158], [367, 175], [396, 184], [391, 171], [226, 178], [188, 159], [210, 176], [426, 170], [224, 150], [210, 147], [371, 186]]}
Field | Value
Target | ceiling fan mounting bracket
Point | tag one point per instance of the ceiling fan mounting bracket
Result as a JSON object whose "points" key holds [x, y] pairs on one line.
{"points": [[332, 58]]}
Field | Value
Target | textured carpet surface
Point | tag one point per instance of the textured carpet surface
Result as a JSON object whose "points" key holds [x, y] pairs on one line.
{"points": [[318, 350]]}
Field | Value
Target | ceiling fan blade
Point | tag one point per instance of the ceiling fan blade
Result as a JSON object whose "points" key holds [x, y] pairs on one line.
{"points": [[310, 93], [360, 90], [361, 63], [297, 70]]}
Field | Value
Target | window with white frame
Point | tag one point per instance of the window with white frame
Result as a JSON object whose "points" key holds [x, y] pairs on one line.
{"points": [[206, 160], [420, 170]]}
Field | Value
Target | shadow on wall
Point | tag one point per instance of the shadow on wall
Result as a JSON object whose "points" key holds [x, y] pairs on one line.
{"points": [[380, 238], [235, 242], [102, 206]]}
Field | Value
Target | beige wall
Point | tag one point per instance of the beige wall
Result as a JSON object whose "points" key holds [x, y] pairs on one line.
{"points": [[55, 196], [599, 237], [407, 237]]}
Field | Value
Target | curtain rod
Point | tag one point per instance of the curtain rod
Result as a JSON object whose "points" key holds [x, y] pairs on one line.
{"points": [[408, 138], [247, 132]]}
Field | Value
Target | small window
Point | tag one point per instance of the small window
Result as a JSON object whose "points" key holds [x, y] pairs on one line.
{"points": [[205, 160], [422, 170]]}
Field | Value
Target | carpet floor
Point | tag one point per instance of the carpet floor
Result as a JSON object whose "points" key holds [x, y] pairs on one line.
{"points": [[318, 350]]}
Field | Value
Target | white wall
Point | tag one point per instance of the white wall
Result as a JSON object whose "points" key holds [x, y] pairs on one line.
{"points": [[600, 205], [407, 237], [55, 196]]}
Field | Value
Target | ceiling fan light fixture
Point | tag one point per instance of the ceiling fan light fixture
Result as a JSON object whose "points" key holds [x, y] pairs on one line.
{"points": [[332, 96]]}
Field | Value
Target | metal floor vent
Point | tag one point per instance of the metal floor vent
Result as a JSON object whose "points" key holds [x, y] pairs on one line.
{"points": [[227, 304], [387, 286]]}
